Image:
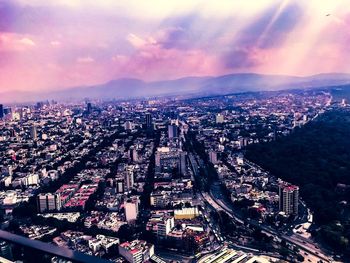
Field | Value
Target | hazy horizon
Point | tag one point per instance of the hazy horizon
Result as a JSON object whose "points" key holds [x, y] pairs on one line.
{"points": [[61, 44]]}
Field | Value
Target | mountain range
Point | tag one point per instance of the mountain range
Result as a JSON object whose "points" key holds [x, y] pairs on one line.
{"points": [[189, 86]]}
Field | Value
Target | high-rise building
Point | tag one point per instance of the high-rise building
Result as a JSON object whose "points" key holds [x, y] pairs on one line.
{"points": [[160, 224], [149, 122], [131, 206], [129, 177], [33, 133], [7, 111], [219, 118], [39, 105], [213, 157], [1, 111], [165, 226], [182, 163], [133, 155], [120, 185], [173, 131], [167, 159], [49, 202], [288, 198], [89, 107]]}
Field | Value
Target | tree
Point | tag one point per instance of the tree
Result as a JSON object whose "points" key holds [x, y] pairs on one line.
{"points": [[315, 157], [300, 258]]}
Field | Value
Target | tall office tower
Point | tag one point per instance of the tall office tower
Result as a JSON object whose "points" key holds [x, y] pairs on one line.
{"points": [[7, 111], [182, 163], [89, 107], [119, 185], [49, 202], [149, 121], [213, 157], [131, 206], [21, 113], [1, 111], [133, 155], [172, 131], [33, 132], [39, 105], [288, 198], [129, 178], [219, 118]]}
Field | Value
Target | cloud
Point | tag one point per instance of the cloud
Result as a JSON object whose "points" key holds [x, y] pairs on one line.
{"points": [[136, 41], [174, 37], [55, 43], [85, 60], [243, 58], [15, 42], [167, 38], [27, 41], [272, 26], [119, 58], [153, 61], [95, 41]]}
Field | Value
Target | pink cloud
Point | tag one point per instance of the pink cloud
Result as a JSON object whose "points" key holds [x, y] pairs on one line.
{"points": [[15, 42], [152, 60], [53, 46], [83, 60]]}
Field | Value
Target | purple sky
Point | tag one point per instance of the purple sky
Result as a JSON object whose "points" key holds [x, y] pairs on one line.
{"points": [[57, 44]]}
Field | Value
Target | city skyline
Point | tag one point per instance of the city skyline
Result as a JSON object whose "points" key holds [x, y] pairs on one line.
{"points": [[174, 131], [61, 44]]}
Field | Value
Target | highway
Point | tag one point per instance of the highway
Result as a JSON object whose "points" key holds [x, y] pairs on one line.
{"points": [[302, 243], [219, 204]]}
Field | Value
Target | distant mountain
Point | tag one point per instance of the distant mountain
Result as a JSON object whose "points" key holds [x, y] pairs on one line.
{"points": [[135, 88]]}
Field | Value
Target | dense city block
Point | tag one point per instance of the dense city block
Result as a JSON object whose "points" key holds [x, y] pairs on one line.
{"points": [[161, 180]]}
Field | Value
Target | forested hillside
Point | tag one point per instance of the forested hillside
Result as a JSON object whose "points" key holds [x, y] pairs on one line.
{"points": [[317, 158]]}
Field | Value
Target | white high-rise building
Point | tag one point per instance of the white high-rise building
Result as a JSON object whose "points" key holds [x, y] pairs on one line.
{"points": [[133, 154], [288, 199], [119, 185], [165, 226], [33, 132], [131, 207], [219, 118]]}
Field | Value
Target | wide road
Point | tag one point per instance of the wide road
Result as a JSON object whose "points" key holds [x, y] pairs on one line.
{"points": [[217, 201], [303, 244]]}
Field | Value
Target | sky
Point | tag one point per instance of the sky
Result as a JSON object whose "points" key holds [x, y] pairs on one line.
{"points": [[56, 44]]}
